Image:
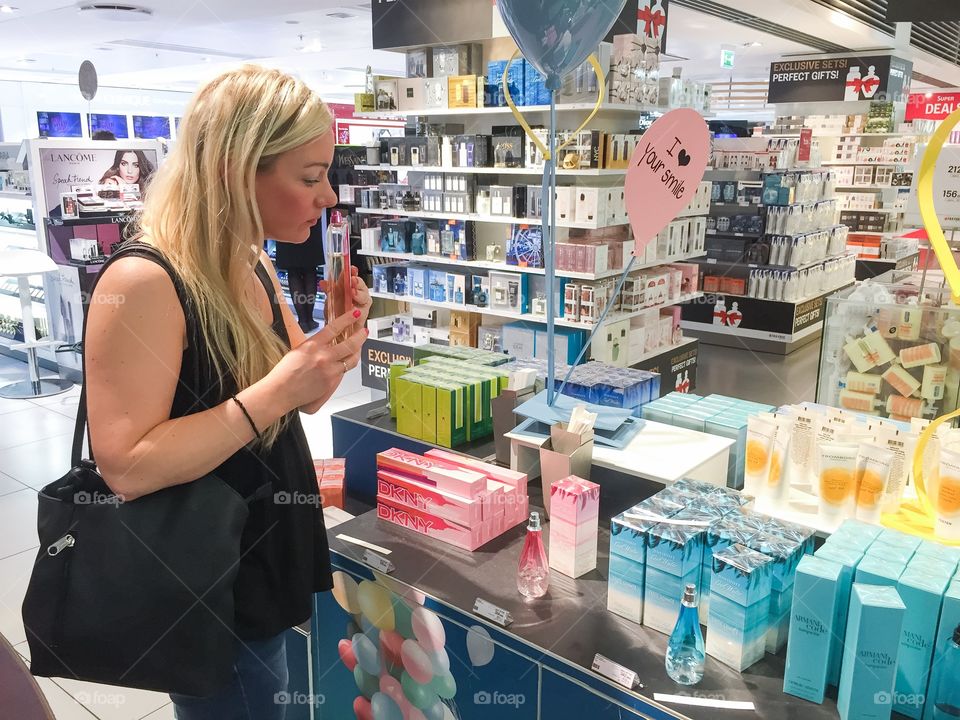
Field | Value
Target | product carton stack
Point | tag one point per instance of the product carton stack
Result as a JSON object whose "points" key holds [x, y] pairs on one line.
{"points": [[330, 474], [456, 499]]}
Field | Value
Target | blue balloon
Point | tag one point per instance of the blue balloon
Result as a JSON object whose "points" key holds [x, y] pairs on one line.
{"points": [[435, 711], [558, 35], [369, 630], [368, 656], [385, 708], [367, 684]]}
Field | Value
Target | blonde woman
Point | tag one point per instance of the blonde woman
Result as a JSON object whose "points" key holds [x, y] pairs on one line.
{"points": [[202, 370]]}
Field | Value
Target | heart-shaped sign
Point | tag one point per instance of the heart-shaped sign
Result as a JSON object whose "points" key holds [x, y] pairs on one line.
{"points": [[665, 171]]}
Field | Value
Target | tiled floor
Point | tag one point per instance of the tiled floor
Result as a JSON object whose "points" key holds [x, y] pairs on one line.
{"points": [[35, 441]]}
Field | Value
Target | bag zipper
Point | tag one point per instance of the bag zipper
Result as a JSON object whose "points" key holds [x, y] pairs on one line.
{"points": [[67, 541]]}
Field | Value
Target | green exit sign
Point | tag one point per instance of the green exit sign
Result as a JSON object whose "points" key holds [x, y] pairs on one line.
{"points": [[726, 59]]}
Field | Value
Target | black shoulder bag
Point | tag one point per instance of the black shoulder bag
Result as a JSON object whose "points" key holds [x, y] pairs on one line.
{"points": [[139, 593]]}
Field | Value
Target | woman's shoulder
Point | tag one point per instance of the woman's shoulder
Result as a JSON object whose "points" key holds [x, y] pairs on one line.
{"points": [[137, 282]]}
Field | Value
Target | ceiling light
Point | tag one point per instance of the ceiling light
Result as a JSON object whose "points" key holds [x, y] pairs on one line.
{"points": [[206, 59], [7, 9], [118, 12], [753, 44], [292, 22], [25, 61]]}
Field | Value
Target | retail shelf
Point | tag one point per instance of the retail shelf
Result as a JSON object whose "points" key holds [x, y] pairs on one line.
{"points": [[484, 265], [756, 266], [737, 204], [873, 188], [833, 135], [734, 234], [588, 172], [831, 163], [97, 220], [613, 317], [15, 196], [502, 220], [895, 211], [606, 107], [781, 302]]}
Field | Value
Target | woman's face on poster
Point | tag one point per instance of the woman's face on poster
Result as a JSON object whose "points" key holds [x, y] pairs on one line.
{"points": [[129, 169]]}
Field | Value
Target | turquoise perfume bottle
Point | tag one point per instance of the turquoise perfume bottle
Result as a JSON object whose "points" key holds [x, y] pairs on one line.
{"points": [[946, 699], [686, 654]]}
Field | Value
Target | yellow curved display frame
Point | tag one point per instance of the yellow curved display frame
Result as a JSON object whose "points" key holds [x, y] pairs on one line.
{"points": [[928, 212], [601, 93], [918, 518]]}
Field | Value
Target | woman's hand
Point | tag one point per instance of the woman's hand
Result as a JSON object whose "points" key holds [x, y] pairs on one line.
{"points": [[308, 376], [361, 296]]}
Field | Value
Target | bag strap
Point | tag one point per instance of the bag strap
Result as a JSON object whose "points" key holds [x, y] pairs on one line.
{"points": [[131, 248]]}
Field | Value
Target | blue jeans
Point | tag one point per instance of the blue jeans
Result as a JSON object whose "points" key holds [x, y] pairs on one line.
{"points": [[259, 675]]}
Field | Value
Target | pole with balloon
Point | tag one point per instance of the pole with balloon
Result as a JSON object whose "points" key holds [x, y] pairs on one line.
{"points": [[556, 36]]}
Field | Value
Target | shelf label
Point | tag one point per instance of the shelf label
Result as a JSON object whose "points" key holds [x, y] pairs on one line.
{"points": [[616, 672], [491, 612], [378, 562]]}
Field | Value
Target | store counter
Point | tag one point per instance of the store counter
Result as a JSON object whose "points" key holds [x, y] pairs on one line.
{"points": [[659, 454], [538, 666]]}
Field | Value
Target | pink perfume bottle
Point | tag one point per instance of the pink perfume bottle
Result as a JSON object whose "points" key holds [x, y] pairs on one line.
{"points": [[533, 574]]}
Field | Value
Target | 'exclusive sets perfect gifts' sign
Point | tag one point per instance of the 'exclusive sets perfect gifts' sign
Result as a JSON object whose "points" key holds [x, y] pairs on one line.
{"points": [[849, 78], [665, 172]]}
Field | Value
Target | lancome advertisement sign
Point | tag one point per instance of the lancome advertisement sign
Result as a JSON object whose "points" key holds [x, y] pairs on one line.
{"points": [[63, 169]]}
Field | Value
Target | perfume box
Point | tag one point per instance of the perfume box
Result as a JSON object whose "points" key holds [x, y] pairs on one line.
{"points": [[566, 203], [785, 556], [739, 606], [611, 343], [412, 93], [949, 621], [471, 151], [869, 667], [436, 91], [508, 151], [494, 85], [848, 558], [463, 59], [429, 498], [431, 525], [674, 556], [525, 246], [574, 517], [516, 82], [386, 93], [922, 594], [812, 618], [625, 588], [420, 63], [462, 91]]}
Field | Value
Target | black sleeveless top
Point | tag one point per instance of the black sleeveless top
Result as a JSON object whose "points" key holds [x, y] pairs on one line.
{"points": [[285, 555]]}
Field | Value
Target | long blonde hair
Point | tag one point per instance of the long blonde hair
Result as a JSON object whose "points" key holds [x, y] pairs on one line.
{"points": [[201, 212]]}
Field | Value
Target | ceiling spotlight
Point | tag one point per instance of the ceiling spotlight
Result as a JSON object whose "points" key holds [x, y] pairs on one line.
{"points": [[292, 22], [753, 44], [206, 59], [25, 61]]}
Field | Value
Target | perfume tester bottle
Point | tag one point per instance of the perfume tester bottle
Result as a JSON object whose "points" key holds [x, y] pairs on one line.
{"points": [[686, 652], [533, 573], [337, 252]]}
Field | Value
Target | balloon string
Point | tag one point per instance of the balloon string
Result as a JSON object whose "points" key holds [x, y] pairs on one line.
{"points": [[550, 227], [599, 324], [547, 153]]}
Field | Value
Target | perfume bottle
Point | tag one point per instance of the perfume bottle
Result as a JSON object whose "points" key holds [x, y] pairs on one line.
{"points": [[685, 649], [533, 573], [479, 296], [418, 242], [946, 698], [337, 252]]}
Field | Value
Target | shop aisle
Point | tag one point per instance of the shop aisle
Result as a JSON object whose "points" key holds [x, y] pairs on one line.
{"points": [[34, 450], [760, 377]]}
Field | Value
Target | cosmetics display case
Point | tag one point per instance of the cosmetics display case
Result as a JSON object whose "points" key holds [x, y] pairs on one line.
{"points": [[900, 333]]}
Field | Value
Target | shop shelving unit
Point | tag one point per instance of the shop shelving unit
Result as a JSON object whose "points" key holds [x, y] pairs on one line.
{"points": [[611, 117]]}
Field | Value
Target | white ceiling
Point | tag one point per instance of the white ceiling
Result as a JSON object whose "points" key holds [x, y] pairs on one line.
{"points": [[186, 41]]}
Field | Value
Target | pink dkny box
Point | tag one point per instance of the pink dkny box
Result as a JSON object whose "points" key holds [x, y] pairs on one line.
{"points": [[458, 481], [421, 496], [575, 501], [430, 525], [494, 472], [408, 463]]}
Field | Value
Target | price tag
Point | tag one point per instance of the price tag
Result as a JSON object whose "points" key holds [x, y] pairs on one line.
{"points": [[616, 672], [492, 613], [378, 562]]}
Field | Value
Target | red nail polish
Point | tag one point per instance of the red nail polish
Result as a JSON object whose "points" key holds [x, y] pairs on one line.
{"points": [[357, 313]]}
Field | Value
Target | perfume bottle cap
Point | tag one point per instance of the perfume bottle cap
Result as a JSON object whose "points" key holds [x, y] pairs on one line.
{"points": [[534, 523], [690, 595]]}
